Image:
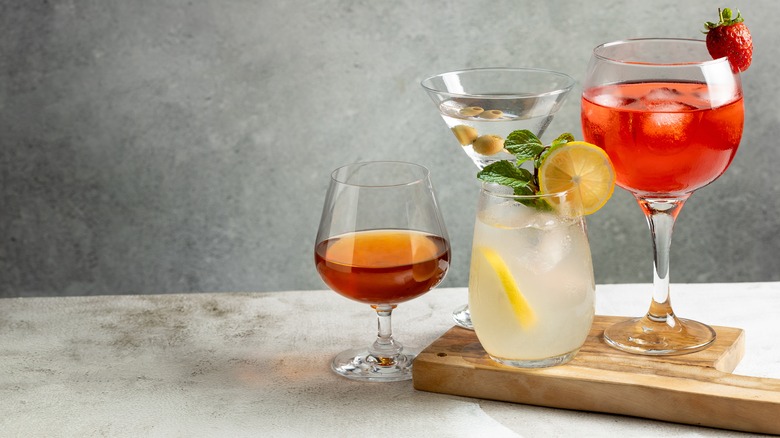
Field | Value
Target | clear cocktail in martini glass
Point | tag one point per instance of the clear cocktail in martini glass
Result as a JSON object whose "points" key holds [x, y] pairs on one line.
{"points": [[482, 106]]}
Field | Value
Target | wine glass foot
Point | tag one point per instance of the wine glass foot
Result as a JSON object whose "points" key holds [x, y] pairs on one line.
{"points": [[359, 364], [462, 317], [648, 337]]}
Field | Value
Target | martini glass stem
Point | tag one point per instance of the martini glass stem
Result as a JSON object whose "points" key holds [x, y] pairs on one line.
{"points": [[661, 214]]}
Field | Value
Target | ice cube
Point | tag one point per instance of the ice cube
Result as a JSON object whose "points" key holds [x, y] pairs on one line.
{"points": [[667, 126], [612, 101], [512, 214], [509, 214], [544, 249], [668, 117], [666, 100], [545, 221], [661, 94], [668, 106]]}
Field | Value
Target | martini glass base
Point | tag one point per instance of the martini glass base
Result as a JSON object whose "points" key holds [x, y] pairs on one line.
{"points": [[659, 338], [360, 364], [462, 317]]}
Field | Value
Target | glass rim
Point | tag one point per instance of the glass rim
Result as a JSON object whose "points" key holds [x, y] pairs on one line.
{"points": [[570, 82], [487, 185], [425, 175], [655, 64]]}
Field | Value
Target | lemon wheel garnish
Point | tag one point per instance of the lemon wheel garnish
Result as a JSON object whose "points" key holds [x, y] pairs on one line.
{"points": [[582, 166], [522, 310]]}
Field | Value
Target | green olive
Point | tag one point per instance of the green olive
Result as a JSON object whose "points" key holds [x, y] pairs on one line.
{"points": [[465, 134], [471, 111], [488, 144], [492, 114]]}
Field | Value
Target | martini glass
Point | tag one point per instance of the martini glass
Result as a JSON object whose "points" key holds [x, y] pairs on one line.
{"points": [[670, 117], [483, 106]]}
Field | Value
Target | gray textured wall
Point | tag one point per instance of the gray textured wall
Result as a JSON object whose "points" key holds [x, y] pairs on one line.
{"points": [[155, 147]]}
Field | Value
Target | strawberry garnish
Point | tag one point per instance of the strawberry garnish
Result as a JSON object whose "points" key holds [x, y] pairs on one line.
{"points": [[730, 37]]}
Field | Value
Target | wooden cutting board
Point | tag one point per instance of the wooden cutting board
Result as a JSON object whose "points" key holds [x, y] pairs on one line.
{"points": [[695, 388]]}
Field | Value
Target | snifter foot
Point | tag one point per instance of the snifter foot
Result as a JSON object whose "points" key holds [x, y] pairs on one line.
{"points": [[360, 364]]}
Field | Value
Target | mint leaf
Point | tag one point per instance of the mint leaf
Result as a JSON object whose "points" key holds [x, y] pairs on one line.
{"points": [[563, 139], [524, 152], [523, 136], [507, 174], [558, 142], [524, 145]]}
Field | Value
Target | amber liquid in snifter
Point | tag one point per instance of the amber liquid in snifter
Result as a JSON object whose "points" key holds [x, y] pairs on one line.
{"points": [[383, 266]]}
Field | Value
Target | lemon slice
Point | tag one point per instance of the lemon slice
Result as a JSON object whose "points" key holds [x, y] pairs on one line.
{"points": [[582, 166], [525, 315]]}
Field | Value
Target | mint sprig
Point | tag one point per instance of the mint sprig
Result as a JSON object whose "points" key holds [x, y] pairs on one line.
{"points": [[525, 146], [507, 174]]}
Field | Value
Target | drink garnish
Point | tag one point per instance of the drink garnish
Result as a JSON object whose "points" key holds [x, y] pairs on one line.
{"points": [[581, 166], [488, 144], [731, 38], [525, 146], [522, 310], [465, 134], [563, 165], [471, 111]]}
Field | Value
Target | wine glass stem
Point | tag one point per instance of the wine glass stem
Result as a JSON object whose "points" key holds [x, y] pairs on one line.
{"points": [[385, 347], [661, 214]]}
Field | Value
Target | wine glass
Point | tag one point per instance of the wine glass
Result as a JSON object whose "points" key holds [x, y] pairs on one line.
{"points": [[481, 104], [670, 118], [381, 241]]}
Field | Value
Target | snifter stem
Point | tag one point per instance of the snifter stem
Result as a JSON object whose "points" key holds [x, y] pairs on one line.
{"points": [[385, 348]]}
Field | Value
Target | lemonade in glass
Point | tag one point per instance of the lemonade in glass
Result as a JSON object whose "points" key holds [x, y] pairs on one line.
{"points": [[531, 285]]}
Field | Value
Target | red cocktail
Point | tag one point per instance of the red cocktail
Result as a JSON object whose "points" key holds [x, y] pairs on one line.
{"points": [[663, 137], [670, 118]]}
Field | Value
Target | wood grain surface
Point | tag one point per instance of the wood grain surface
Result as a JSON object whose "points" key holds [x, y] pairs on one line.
{"points": [[696, 388]]}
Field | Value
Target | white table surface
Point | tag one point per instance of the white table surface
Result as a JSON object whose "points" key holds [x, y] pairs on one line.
{"points": [[257, 364]]}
